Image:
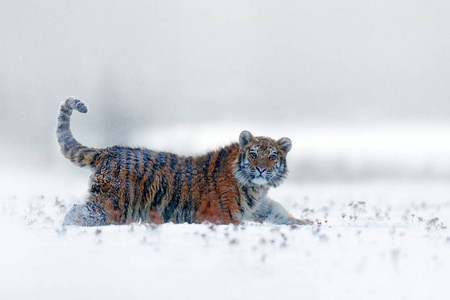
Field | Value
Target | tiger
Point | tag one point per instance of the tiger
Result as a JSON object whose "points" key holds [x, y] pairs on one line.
{"points": [[138, 185]]}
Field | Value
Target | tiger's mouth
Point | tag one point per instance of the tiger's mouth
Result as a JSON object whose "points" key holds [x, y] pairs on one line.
{"points": [[259, 180]]}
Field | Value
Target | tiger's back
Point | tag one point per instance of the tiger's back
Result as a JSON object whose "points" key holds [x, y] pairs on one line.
{"points": [[141, 185], [145, 185]]}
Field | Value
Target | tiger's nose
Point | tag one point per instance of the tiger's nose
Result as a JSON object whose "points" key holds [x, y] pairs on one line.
{"points": [[261, 169]]}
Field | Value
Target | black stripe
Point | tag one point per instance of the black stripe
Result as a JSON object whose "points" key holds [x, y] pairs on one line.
{"points": [[95, 157], [118, 157], [66, 110], [173, 162], [162, 159], [216, 171], [146, 188], [137, 179], [238, 200], [69, 143], [283, 164], [64, 118], [248, 198], [241, 157], [202, 176], [159, 162], [189, 170], [80, 106], [186, 211], [173, 203], [74, 151], [126, 201], [136, 161], [63, 127], [67, 139], [83, 154], [160, 193]]}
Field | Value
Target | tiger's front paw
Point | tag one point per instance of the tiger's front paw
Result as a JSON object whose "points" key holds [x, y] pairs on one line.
{"points": [[303, 222]]}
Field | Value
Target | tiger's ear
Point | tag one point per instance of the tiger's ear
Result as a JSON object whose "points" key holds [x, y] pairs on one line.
{"points": [[285, 144], [245, 137]]}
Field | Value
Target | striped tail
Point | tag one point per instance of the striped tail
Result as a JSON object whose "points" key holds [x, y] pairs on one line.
{"points": [[70, 147]]}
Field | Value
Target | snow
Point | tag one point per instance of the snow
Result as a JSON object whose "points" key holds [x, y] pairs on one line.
{"points": [[377, 239]]}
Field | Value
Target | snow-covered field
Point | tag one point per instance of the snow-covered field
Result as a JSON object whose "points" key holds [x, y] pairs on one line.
{"points": [[374, 239]]}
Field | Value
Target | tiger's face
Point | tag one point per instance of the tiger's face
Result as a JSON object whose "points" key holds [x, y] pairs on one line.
{"points": [[262, 161]]}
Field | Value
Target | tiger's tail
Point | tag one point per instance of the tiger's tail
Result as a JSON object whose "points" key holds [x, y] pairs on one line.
{"points": [[77, 153]]}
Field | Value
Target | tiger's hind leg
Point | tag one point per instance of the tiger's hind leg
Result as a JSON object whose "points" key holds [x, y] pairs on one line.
{"points": [[88, 214]]}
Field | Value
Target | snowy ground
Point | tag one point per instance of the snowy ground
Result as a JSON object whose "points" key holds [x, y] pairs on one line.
{"points": [[375, 239]]}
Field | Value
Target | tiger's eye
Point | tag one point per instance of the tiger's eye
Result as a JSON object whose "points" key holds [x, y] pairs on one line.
{"points": [[272, 157], [252, 155]]}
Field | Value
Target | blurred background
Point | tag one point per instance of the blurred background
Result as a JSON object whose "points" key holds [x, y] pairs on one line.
{"points": [[361, 87]]}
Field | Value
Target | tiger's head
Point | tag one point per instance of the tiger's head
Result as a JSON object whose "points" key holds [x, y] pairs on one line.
{"points": [[261, 160]]}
